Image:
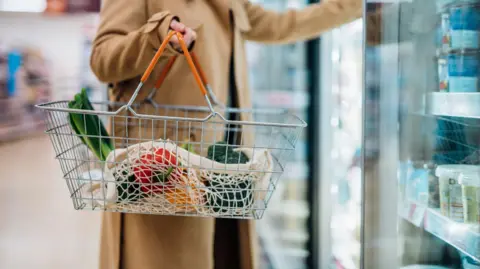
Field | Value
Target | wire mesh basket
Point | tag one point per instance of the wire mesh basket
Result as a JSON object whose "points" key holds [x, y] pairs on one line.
{"points": [[172, 160]]}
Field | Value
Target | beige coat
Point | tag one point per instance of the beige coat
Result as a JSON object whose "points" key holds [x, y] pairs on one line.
{"points": [[129, 33]]}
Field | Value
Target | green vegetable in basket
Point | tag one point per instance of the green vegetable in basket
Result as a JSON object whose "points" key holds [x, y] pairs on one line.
{"points": [[128, 191], [188, 146], [89, 128], [223, 153], [226, 195]]}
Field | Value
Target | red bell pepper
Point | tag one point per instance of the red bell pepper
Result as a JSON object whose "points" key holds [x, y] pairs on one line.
{"points": [[150, 167]]}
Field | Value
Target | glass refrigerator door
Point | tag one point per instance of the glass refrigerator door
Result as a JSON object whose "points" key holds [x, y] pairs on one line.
{"points": [[278, 78], [341, 141], [421, 164]]}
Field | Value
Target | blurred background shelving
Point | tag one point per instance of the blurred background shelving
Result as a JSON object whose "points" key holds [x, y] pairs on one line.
{"points": [[43, 57]]}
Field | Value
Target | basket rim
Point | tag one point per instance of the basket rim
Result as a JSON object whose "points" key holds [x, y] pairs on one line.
{"points": [[48, 106]]}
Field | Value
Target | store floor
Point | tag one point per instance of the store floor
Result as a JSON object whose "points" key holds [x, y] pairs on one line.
{"points": [[38, 226]]}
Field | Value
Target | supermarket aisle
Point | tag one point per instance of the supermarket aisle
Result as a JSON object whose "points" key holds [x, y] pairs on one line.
{"points": [[38, 226]]}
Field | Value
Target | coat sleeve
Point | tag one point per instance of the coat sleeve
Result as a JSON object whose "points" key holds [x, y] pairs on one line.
{"points": [[127, 39], [294, 25]]}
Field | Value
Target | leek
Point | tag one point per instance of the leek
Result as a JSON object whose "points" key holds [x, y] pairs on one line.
{"points": [[89, 128]]}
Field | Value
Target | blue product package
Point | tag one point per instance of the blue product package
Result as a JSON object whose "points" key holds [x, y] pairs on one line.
{"points": [[417, 186], [14, 61], [463, 71], [465, 26]]}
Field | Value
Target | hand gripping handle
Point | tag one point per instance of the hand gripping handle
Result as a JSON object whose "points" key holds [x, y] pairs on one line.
{"points": [[192, 62]]}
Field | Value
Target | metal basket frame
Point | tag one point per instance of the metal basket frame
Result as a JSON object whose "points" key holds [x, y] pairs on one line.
{"points": [[274, 132]]}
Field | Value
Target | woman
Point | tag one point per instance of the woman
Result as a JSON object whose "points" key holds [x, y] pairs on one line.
{"points": [[128, 36]]}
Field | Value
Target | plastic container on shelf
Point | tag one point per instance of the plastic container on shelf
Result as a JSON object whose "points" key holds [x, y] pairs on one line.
{"points": [[443, 34], [417, 186], [451, 202], [433, 187], [464, 25], [470, 182], [463, 70], [442, 73]]}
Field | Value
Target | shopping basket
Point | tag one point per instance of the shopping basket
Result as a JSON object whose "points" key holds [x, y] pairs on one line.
{"points": [[173, 160]]}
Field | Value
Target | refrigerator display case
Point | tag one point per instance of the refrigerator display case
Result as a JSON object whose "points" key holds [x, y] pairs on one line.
{"points": [[341, 136], [278, 76], [418, 166]]}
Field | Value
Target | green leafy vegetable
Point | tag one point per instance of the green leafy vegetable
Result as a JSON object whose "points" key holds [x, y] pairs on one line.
{"points": [[188, 146], [89, 128], [223, 153], [161, 178], [91, 131], [130, 190], [226, 195]]}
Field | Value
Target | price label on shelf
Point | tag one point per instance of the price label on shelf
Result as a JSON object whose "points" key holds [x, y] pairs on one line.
{"points": [[417, 214]]}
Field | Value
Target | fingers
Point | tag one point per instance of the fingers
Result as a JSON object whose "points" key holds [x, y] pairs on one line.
{"points": [[177, 26], [175, 42], [189, 35]]}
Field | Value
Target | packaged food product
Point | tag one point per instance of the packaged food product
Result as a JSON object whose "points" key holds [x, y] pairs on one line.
{"points": [[445, 32], [433, 187], [442, 73], [451, 204], [464, 25], [418, 186], [470, 181], [463, 71]]}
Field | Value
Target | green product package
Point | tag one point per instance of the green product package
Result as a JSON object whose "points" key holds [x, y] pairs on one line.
{"points": [[470, 181], [470, 203]]}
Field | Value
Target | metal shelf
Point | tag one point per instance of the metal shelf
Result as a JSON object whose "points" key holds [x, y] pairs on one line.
{"points": [[464, 237], [466, 105]]}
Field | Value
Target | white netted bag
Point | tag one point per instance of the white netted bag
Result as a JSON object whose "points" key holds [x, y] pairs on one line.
{"points": [[236, 188], [195, 183]]}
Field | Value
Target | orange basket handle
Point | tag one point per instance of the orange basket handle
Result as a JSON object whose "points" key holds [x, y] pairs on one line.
{"points": [[198, 75], [169, 65], [165, 71]]}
